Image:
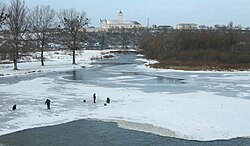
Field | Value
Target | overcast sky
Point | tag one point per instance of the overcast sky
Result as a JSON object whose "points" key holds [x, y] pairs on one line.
{"points": [[159, 12]]}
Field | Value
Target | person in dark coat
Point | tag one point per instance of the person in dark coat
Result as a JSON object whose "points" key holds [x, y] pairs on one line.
{"points": [[94, 97], [108, 100], [48, 103], [14, 107]]}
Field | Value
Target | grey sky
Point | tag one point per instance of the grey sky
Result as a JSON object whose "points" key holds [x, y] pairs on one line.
{"points": [[207, 12]]}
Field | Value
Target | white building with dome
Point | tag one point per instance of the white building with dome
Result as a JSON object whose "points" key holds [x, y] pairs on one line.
{"points": [[118, 23]]}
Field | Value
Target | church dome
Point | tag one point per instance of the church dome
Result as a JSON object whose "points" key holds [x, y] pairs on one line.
{"points": [[120, 12]]}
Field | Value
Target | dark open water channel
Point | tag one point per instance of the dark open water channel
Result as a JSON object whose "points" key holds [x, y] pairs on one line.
{"points": [[97, 133]]}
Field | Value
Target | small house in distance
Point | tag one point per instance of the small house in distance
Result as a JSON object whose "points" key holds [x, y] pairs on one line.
{"points": [[118, 23], [187, 26]]}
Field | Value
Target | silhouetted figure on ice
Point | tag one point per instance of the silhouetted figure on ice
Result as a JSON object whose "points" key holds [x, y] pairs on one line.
{"points": [[47, 102], [94, 97], [14, 107], [108, 100]]}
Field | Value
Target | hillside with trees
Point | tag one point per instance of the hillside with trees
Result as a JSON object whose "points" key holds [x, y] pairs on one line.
{"points": [[210, 49]]}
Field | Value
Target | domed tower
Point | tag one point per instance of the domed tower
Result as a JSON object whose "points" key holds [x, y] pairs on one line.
{"points": [[120, 16]]}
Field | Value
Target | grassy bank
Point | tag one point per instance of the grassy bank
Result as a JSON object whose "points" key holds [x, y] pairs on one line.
{"points": [[199, 49]]}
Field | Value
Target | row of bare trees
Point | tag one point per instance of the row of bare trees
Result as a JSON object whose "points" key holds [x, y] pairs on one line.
{"points": [[23, 27]]}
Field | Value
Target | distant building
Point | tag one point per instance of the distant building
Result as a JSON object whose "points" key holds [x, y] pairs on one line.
{"points": [[118, 23], [162, 27], [92, 29], [187, 26], [238, 27], [165, 27], [204, 27], [227, 27], [220, 27]]}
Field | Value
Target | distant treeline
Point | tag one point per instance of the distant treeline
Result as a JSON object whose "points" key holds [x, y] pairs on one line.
{"points": [[199, 49]]}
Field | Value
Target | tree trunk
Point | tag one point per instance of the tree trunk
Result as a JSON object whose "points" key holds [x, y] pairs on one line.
{"points": [[74, 53], [42, 50], [15, 64], [42, 62], [15, 56], [15, 61]]}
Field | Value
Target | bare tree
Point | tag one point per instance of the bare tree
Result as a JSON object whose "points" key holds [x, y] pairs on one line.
{"points": [[16, 24], [73, 23], [41, 19]]}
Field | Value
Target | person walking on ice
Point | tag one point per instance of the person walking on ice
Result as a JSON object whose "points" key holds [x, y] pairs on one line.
{"points": [[94, 97], [48, 103], [14, 107], [108, 100]]}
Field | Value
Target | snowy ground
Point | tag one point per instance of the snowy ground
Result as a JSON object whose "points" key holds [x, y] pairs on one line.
{"points": [[201, 115]]}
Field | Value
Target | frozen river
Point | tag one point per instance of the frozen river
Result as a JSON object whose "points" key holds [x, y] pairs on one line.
{"points": [[125, 72], [190, 105]]}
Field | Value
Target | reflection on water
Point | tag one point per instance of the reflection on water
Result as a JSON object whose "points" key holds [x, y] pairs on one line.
{"points": [[74, 74], [162, 79]]}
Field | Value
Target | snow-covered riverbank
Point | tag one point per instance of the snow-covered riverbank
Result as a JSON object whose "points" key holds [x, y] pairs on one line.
{"points": [[55, 61], [201, 115]]}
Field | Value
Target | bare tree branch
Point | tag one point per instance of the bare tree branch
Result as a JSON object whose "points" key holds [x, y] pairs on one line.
{"points": [[73, 23], [3, 14], [41, 20], [16, 24]]}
